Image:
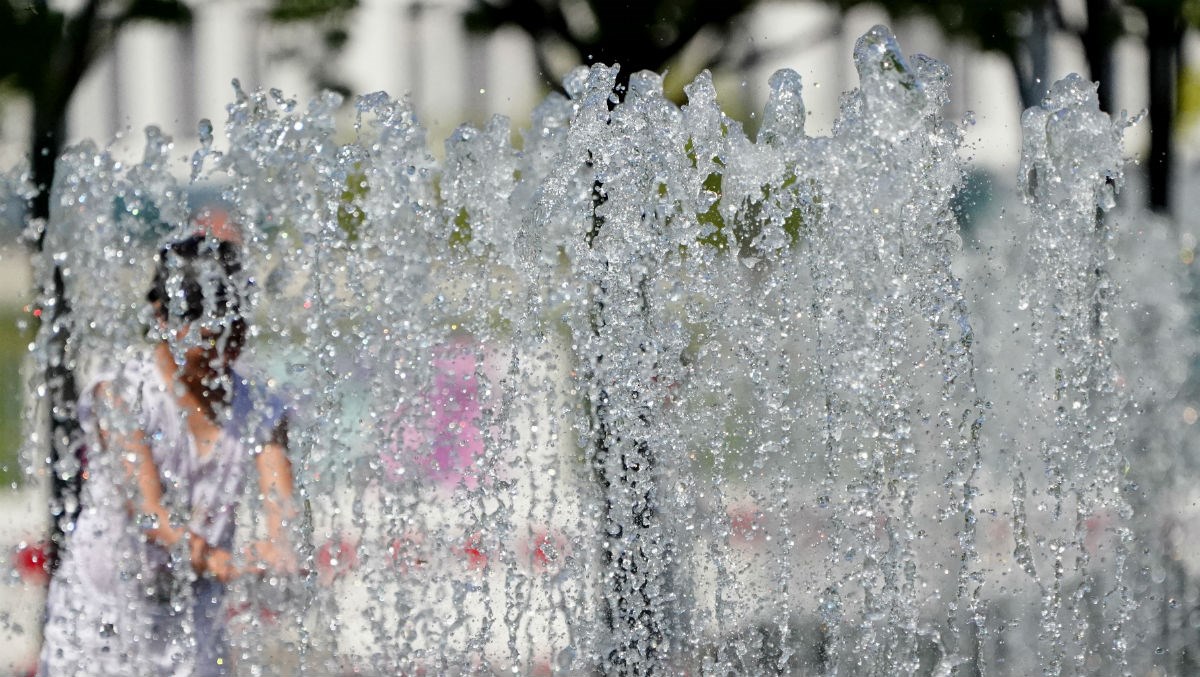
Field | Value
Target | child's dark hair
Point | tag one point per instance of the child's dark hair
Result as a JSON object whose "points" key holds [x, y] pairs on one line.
{"points": [[195, 276]]}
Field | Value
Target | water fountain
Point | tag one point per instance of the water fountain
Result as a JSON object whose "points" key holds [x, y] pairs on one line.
{"points": [[640, 395]]}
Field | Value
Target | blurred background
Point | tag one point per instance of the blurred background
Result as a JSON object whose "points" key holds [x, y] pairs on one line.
{"points": [[105, 69]]}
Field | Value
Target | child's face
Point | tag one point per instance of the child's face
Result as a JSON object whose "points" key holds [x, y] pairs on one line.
{"points": [[208, 349]]}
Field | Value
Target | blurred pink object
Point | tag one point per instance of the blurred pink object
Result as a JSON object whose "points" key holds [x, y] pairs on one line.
{"points": [[443, 439], [746, 524]]}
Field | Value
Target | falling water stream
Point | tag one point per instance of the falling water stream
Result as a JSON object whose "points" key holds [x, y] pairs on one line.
{"points": [[637, 394]]}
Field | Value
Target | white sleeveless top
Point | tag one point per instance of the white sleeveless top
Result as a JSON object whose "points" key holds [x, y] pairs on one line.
{"points": [[119, 604]]}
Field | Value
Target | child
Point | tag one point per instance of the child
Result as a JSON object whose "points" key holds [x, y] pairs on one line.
{"points": [[170, 435]]}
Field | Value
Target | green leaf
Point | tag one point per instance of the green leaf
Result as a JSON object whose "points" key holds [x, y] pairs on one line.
{"points": [[718, 238], [461, 235], [350, 215]]}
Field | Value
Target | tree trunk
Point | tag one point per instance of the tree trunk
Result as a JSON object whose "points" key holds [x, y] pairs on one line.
{"points": [[1164, 35], [1030, 60], [63, 455], [1103, 27], [66, 64]]}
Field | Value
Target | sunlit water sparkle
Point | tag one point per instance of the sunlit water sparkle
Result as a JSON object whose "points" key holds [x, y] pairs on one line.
{"points": [[641, 395]]}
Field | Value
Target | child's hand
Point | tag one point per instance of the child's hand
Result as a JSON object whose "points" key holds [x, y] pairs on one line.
{"points": [[218, 563], [210, 561], [197, 549]]}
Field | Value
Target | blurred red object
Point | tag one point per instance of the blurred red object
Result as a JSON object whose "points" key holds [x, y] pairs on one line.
{"points": [[474, 554], [335, 559], [746, 525], [544, 550], [29, 561], [217, 222], [408, 551]]}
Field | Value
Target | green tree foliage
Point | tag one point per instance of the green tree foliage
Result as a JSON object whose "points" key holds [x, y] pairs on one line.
{"points": [[651, 34], [46, 51], [638, 34], [1020, 29], [328, 19], [1016, 29], [995, 25], [309, 10]]}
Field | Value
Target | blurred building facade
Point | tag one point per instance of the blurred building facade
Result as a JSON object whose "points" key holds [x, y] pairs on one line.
{"points": [[173, 76]]}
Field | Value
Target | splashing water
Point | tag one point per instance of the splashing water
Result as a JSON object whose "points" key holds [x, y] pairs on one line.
{"points": [[640, 395]]}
